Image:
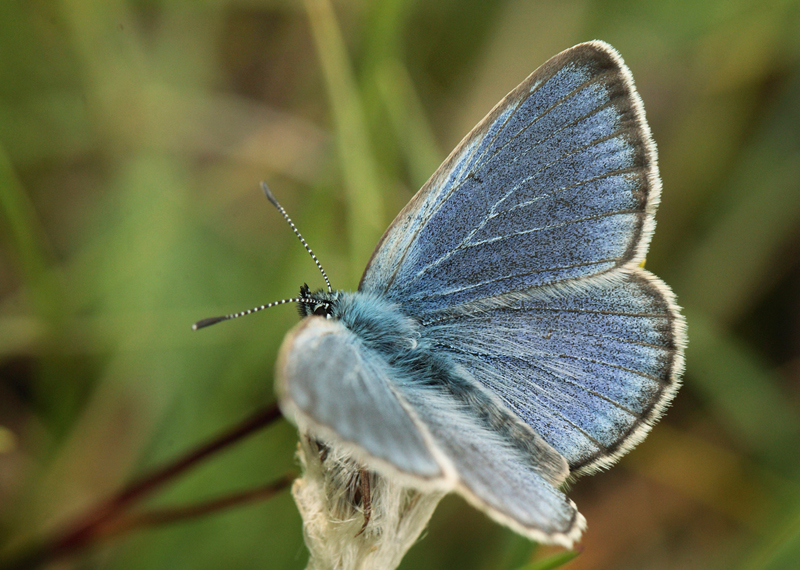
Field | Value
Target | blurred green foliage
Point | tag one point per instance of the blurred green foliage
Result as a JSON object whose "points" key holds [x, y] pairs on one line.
{"points": [[133, 135]]}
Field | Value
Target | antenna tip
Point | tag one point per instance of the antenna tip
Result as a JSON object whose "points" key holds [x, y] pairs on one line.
{"points": [[268, 193], [208, 322]]}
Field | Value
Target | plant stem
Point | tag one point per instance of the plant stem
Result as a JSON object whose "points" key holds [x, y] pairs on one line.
{"points": [[107, 518]]}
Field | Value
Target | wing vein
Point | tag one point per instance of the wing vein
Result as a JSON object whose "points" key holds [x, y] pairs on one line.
{"points": [[491, 214], [554, 373], [549, 227], [563, 100], [486, 282]]}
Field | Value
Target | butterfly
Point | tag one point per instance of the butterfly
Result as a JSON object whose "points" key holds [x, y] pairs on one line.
{"points": [[505, 338]]}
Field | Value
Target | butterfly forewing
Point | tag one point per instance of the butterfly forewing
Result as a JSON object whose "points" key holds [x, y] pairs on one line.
{"points": [[557, 183]]}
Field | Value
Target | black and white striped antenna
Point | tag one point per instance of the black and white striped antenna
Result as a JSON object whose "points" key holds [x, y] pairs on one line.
{"points": [[286, 217], [214, 320]]}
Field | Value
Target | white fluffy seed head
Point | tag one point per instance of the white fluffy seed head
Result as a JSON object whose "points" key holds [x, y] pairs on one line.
{"points": [[331, 504]]}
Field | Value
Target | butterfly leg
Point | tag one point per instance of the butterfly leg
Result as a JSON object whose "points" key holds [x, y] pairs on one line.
{"points": [[366, 500]]}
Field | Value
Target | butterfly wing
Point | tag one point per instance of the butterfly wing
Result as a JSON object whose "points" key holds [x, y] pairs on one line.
{"points": [[558, 183], [521, 254], [328, 381], [493, 472], [590, 373]]}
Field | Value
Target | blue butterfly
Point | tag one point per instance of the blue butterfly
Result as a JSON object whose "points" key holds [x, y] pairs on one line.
{"points": [[505, 338]]}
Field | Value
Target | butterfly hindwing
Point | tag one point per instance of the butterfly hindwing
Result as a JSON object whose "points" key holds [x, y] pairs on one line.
{"points": [[511, 484], [590, 372]]}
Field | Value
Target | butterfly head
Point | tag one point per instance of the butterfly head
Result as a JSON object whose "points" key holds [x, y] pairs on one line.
{"points": [[319, 303]]}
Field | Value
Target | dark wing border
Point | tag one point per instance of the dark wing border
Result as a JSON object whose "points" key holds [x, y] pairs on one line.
{"points": [[640, 428]]}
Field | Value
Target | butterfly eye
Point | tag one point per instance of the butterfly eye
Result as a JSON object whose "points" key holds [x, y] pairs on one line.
{"points": [[322, 311]]}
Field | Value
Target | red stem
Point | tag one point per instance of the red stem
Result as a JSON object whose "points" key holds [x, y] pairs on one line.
{"points": [[159, 517], [104, 519]]}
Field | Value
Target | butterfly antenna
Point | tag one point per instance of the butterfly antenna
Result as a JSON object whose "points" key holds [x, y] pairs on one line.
{"points": [[275, 203], [214, 320]]}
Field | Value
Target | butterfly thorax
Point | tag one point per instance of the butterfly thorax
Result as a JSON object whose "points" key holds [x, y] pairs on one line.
{"points": [[377, 322]]}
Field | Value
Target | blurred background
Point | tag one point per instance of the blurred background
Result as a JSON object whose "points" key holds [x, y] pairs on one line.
{"points": [[133, 136]]}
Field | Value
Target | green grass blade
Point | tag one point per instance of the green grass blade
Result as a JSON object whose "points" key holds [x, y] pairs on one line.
{"points": [[555, 561], [409, 121], [28, 238], [362, 185]]}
